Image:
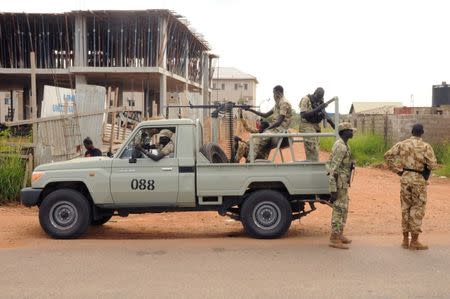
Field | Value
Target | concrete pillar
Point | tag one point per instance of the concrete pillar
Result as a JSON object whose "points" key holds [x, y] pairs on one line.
{"points": [[162, 94], [162, 42], [205, 82], [80, 41]]}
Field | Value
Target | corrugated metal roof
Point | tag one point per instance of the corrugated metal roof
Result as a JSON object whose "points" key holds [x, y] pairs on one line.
{"points": [[231, 73], [374, 107]]}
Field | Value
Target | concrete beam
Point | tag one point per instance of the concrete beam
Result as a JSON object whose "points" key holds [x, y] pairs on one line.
{"points": [[80, 41]]}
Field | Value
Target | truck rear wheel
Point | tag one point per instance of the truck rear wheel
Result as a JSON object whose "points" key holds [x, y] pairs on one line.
{"points": [[266, 214], [65, 214]]}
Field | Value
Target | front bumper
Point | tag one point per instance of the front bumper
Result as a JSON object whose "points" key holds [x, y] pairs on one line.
{"points": [[30, 197]]}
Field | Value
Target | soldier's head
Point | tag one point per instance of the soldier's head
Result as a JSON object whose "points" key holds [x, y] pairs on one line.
{"points": [[417, 130], [346, 130], [278, 92], [164, 136], [319, 93], [88, 144]]}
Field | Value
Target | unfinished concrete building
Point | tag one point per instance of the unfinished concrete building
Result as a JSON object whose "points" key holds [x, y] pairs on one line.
{"points": [[152, 56]]}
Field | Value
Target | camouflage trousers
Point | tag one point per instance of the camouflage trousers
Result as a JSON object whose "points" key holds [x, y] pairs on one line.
{"points": [[413, 199], [242, 151], [311, 144], [263, 146], [340, 211]]}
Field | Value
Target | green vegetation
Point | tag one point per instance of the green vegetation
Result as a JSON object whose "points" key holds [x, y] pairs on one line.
{"points": [[367, 149], [442, 152], [12, 172]]}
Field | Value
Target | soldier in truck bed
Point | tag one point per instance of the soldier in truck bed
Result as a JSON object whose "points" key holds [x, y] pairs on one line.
{"points": [[312, 113], [282, 114]]}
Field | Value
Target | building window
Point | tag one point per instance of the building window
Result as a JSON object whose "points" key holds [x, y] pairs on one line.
{"points": [[223, 86], [245, 86], [7, 101], [236, 86], [214, 86]]}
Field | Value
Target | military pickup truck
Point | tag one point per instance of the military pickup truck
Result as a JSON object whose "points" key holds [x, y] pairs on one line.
{"points": [[265, 196]]}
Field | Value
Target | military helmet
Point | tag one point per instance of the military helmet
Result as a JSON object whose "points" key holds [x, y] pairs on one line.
{"points": [[346, 126], [165, 133]]}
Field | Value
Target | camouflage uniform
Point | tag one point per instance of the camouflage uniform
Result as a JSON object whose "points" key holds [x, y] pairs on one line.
{"points": [[311, 144], [412, 153], [169, 147], [242, 148], [339, 167], [264, 145]]}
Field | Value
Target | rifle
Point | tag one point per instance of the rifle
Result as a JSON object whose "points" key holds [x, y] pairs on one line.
{"points": [[317, 114], [352, 173], [218, 107]]}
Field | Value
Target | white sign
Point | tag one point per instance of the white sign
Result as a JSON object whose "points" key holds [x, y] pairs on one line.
{"points": [[57, 101]]}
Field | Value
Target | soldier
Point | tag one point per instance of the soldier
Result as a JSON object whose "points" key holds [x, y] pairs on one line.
{"points": [[340, 169], [282, 113], [412, 159], [312, 112], [165, 146], [242, 147]]}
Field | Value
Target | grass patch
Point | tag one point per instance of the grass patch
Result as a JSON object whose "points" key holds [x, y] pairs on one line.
{"points": [[442, 152], [12, 172], [367, 149]]}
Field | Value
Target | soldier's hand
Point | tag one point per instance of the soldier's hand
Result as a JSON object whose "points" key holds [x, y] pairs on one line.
{"points": [[333, 197]]}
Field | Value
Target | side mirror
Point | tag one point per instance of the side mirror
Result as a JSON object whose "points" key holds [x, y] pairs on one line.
{"points": [[109, 154]]}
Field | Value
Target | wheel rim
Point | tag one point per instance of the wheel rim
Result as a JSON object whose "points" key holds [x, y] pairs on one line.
{"points": [[63, 215], [266, 215]]}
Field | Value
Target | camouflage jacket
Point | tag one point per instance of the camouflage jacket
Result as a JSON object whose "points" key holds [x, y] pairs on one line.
{"points": [[339, 166], [412, 153], [283, 107], [167, 149], [305, 105]]}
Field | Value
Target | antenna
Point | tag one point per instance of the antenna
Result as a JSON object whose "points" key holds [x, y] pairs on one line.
{"points": [[411, 101]]}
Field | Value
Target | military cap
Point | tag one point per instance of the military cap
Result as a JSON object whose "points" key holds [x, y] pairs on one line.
{"points": [[346, 126], [165, 133]]}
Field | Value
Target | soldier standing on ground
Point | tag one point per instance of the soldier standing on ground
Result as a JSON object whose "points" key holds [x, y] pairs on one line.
{"points": [[312, 113], [412, 159], [282, 113], [340, 170]]}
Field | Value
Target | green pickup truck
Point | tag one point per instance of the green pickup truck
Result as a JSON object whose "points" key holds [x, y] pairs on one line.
{"points": [[263, 195]]}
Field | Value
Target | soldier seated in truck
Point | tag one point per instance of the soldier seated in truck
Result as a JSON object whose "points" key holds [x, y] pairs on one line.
{"points": [[164, 148]]}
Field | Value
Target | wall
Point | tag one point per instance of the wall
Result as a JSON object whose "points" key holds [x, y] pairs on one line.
{"points": [[232, 94], [398, 127]]}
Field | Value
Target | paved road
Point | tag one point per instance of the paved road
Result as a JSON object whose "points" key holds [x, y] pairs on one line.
{"points": [[235, 267]]}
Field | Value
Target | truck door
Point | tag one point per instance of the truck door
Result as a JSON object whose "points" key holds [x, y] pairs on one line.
{"points": [[145, 182]]}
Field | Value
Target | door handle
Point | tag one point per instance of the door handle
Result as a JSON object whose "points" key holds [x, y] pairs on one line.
{"points": [[166, 168], [126, 170]]}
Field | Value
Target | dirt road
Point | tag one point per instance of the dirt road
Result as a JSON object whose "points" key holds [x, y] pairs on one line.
{"points": [[201, 254], [374, 210]]}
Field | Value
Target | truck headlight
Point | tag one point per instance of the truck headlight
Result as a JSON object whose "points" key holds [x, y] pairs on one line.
{"points": [[36, 176]]}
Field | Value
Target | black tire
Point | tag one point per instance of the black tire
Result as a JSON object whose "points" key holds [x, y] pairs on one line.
{"points": [[101, 221], [266, 214], [214, 153], [65, 214]]}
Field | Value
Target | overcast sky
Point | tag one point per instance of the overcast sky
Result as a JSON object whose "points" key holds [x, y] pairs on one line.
{"points": [[358, 50]]}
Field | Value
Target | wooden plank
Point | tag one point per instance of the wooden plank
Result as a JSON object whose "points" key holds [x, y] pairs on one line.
{"points": [[59, 117], [33, 97]]}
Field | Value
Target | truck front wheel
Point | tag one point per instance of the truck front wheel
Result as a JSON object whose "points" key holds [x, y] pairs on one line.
{"points": [[65, 214], [266, 214]]}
